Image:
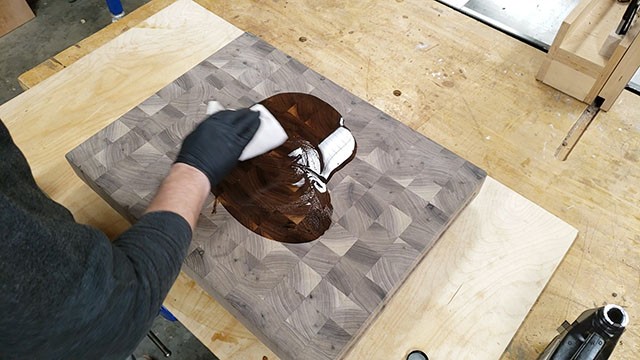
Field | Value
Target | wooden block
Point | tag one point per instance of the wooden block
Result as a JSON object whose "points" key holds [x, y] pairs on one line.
{"points": [[584, 54], [390, 203], [568, 80], [610, 45], [586, 35], [13, 13]]}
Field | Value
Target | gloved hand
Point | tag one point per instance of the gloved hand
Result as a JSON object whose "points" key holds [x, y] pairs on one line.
{"points": [[216, 143]]}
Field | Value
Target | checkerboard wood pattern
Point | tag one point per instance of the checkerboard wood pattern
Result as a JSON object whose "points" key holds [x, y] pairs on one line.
{"points": [[390, 204]]}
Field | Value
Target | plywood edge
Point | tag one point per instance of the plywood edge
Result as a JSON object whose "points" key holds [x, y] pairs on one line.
{"points": [[36, 75]]}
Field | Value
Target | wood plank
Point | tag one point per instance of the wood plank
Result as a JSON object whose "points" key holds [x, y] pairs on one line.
{"points": [[70, 55], [492, 112], [13, 13], [455, 299], [47, 68], [579, 64], [594, 190], [122, 68]]}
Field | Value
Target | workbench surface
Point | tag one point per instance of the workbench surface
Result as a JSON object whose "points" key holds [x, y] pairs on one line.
{"points": [[462, 84]]}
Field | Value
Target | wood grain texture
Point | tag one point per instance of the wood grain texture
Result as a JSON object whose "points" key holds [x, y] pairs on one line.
{"points": [[14, 13], [308, 300], [489, 109], [453, 300], [70, 55], [281, 195], [622, 74]]}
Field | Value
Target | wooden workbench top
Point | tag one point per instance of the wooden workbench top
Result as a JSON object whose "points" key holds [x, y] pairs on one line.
{"points": [[469, 88]]}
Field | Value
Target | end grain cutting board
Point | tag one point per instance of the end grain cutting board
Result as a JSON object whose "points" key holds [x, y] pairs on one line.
{"points": [[390, 204]]}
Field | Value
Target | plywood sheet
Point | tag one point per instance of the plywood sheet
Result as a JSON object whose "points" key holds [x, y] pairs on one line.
{"points": [[390, 203]]}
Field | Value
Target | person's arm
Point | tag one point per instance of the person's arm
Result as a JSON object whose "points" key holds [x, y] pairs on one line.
{"points": [[146, 259], [207, 154], [183, 192], [157, 244], [107, 293]]}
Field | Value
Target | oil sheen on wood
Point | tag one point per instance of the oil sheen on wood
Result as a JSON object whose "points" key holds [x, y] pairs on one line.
{"points": [[282, 195], [390, 203]]}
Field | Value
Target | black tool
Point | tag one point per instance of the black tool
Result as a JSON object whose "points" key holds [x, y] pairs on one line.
{"points": [[593, 335], [417, 355], [154, 339], [627, 18]]}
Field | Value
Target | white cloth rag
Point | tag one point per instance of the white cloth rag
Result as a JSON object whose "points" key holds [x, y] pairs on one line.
{"points": [[269, 136]]}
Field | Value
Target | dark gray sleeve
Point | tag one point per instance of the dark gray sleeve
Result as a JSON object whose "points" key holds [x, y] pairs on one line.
{"points": [[155, 246], [124, 286], [66, 292]]}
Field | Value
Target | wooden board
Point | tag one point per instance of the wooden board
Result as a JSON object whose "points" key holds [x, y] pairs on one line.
{"points": [[13, 13], [493, 112], [390, 203]]}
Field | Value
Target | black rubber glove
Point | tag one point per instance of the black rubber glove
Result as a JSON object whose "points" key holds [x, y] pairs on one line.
{"points": [[216, 143]]}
